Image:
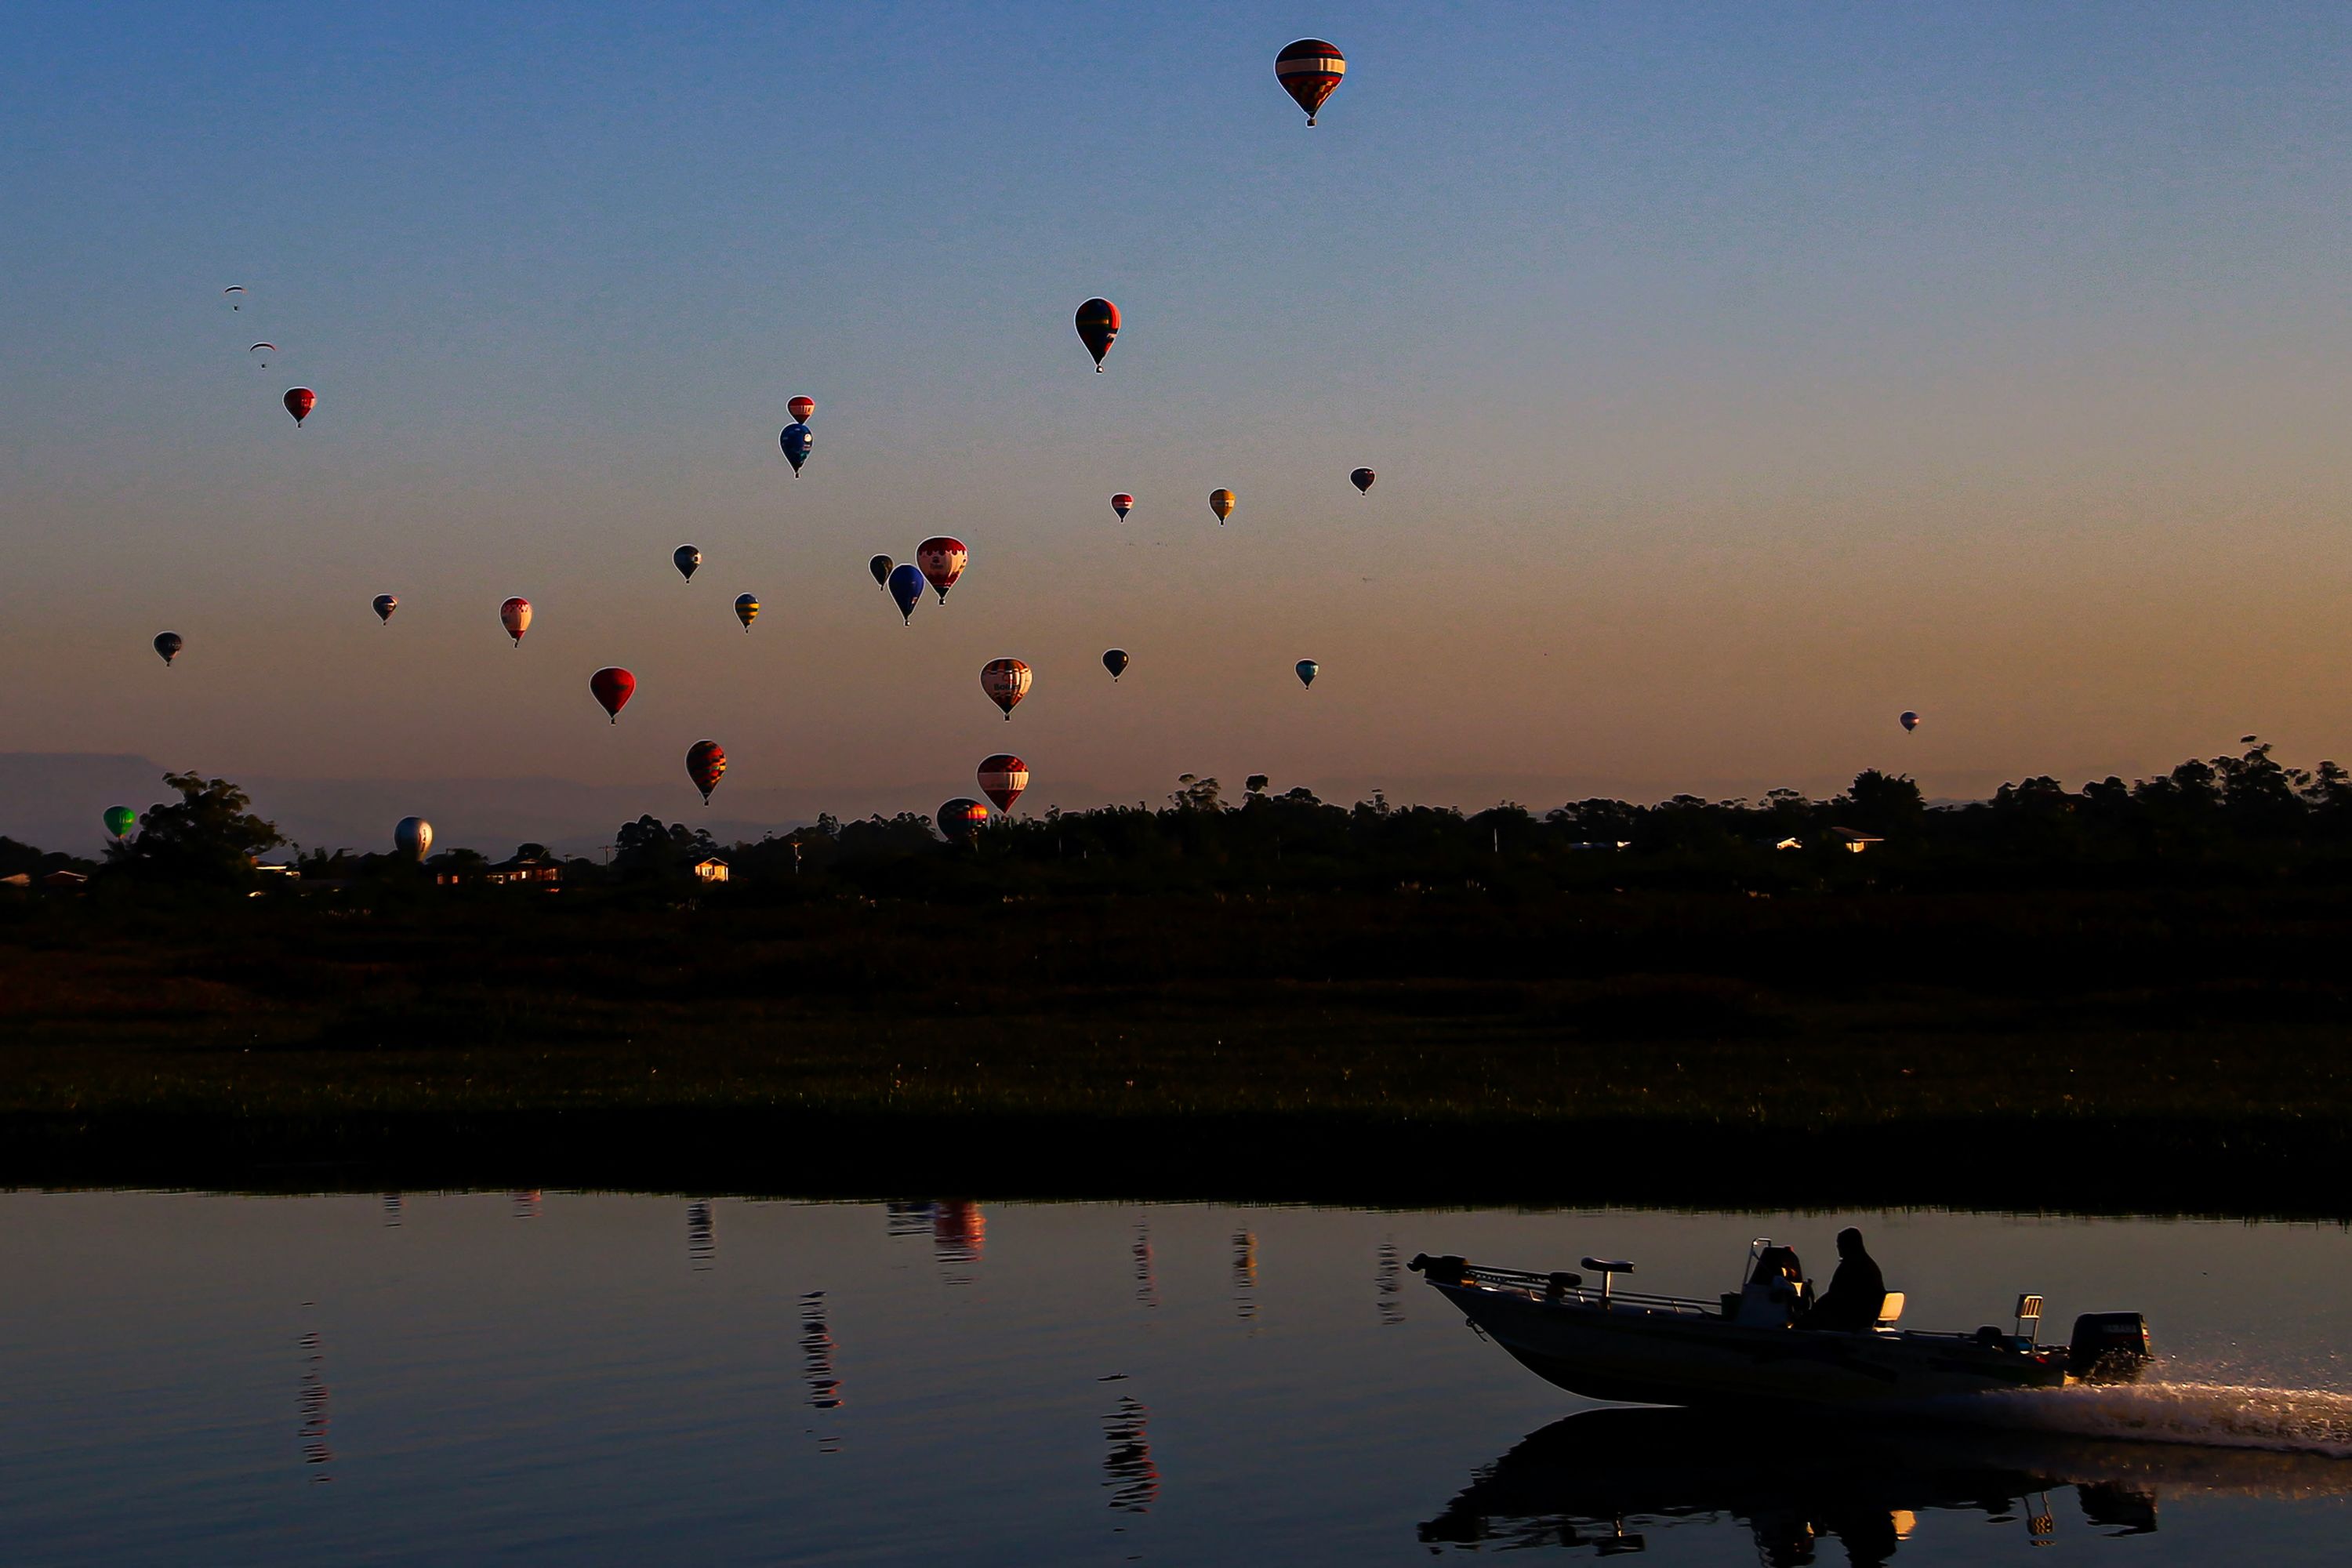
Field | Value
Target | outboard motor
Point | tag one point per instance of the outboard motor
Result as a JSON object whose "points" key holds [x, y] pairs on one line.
{"points": [[2108, 1347]]}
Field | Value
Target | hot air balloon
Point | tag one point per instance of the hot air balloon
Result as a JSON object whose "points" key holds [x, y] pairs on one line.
{"points": [[1002, 777], [1308, 670], [515, 615], [1308, 71], [801, 408], [1910, 721], [962, 819], [1006, 681], [384, 605], [747, 610], [798, 441], [413, 836], [1362, 479], [704, 762], [612, 686], [1222, 503], [299, 402], [1116, 662], [881, 566], [942, 560], [905, 587], [119, 820], [169, 645], [1099, 328], [685, 558], [234, 289], [257, 348], [1122, 503]]}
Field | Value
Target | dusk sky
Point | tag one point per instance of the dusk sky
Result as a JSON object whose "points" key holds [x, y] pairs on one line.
{"points": [[1737, 378]]}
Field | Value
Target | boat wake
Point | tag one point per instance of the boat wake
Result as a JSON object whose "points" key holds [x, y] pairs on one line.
{"points": [[2207, 1414]]}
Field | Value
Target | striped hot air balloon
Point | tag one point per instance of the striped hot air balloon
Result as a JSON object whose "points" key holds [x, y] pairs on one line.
{"points": [[801, 409], [1002, 777], [704, 762], [961, 819], [747, 609], [1309, 71], [1098, 322], [1006, 681], [1122, 503]]}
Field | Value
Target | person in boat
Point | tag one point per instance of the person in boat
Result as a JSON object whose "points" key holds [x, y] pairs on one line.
{"points": [[1857, 1291]]}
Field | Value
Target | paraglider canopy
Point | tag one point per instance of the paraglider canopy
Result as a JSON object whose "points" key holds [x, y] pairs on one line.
{"points": [[1002, 777], [881, 566], [234, 289], [942, 560], [119, 820], [962, 819], [1362, 479], [413, 836], [1006, 681], [1309, 70], [299, 402], [1097, 328], [1308, 670], [384, 605], [612, 686], [685, 558], [800, 408], [1116, 662], [515, 615], [798, 441], [169, 645], [1220, 501], [1122, 503], [704, 762], [259, 348], [906, 585], [1910, 721], [747, 610]]}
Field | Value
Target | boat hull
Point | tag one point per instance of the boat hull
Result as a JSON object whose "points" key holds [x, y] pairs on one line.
{"points": [[1649, 1356]]}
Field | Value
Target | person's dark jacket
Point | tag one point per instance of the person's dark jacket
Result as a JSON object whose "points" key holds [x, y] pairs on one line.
{"points": [[1857, 1294]]}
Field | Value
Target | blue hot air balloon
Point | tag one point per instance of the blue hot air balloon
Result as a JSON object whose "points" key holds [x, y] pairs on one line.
{"points": [[907, 589], [797, 441]]}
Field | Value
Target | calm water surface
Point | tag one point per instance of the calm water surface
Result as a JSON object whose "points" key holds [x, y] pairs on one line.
{"points": [[572, 1378]]}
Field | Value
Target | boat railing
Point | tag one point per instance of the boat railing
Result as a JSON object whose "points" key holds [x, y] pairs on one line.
{"points": [[1547, 1286]]}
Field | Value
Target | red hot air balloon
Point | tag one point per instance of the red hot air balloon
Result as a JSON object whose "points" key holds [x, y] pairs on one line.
{"points": [[612, 686], [1002, 777], [1122, 503], [1006, 681], [1309, 71], [1099, 328], [515, 615], [705, 761], [941, 561], [299, 402], [801, 408], [962, 819]]}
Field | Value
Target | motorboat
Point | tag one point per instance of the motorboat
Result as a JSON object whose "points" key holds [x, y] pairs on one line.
{"points": [[1746, 1346]]}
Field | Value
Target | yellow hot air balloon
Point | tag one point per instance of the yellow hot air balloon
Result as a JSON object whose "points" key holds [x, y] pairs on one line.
{"points": [[1220, 501]]}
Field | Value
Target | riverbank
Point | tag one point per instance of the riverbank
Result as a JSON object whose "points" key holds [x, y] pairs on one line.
{"points": [[2126, 1051]]}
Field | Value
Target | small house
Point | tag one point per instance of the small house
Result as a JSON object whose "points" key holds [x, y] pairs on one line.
{"points": [[710, 869], [533, 872], [1855, 843]]}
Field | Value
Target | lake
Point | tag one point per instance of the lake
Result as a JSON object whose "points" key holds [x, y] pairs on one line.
{"points": [[586, 1378]]}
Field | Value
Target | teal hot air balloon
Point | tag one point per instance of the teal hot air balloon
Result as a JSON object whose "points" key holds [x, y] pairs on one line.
{"points": [[798, 441], [1308, 670], [119, 820]]}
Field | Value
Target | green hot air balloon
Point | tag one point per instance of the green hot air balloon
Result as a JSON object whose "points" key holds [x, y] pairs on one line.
{"points": [[119, 820]]}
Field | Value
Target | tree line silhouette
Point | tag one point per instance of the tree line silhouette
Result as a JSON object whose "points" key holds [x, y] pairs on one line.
{"points": [[2234, 818]]}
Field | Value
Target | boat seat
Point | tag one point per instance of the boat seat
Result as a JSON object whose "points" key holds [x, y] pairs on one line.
{"points": [[1607, 1268], [1891, 1312]]}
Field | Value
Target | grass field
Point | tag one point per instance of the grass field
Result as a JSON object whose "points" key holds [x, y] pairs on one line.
{"points": [[2116, 1050]]}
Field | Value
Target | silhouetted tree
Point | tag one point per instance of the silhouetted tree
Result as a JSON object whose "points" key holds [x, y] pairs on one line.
{"points": [[208, 835]]}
